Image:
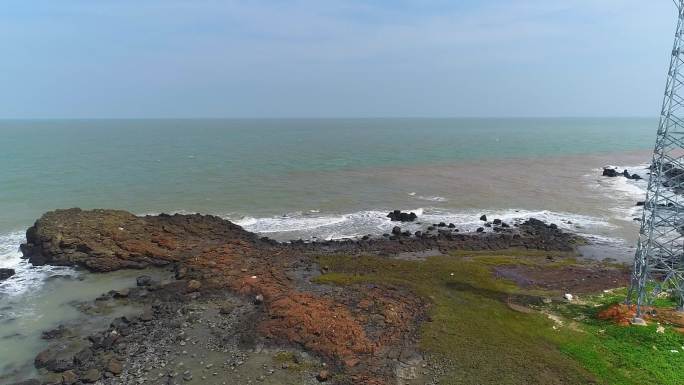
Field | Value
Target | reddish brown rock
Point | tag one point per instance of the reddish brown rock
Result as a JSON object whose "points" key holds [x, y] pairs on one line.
{"points": [[360, 324]]}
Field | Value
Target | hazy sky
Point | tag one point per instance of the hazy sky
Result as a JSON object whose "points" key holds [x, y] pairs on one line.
{"points": [[333, 58]]}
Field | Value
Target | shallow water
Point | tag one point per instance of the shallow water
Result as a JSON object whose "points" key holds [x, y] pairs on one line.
{"points": [[24, 315]]}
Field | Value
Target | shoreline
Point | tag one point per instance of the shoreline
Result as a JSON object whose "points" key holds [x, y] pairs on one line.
{"points": [[239, 268]]}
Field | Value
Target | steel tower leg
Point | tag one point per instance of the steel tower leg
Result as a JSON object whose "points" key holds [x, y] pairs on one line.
{"points": [[659, 260]]}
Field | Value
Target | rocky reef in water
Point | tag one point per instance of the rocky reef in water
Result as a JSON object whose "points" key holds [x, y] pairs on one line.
{"points": [[365, 332], [6, 273]]}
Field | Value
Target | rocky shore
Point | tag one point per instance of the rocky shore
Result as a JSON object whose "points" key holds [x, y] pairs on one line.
{"points": [[246, 309]]}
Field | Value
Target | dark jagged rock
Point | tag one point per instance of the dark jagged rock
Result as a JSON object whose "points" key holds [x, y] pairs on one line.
{"points": [[58, 332], [398, 216], [497, 222], [396, 230], [480, 229], [483, 218], [610, 172], [6, 273], [144, 280], [641, 203], [90, 376]]}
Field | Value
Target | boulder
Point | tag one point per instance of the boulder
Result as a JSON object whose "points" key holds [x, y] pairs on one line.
{"points": [[610, 172], [123, 293], [92, 375], [144, 280], [114, 366], [60, 365], [323, 376], [84, 357], [43, 358], [398, 216], [69, 377], [59, 332], [6, 273], [483, 218], [194, 285], [396, 230]]}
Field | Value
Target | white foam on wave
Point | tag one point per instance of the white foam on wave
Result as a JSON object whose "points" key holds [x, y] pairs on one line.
{"points": [[28, 278], [624, 192], [375, 222], [287, 223], [432, 198]]}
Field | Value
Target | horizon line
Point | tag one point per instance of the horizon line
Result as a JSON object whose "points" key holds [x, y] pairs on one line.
{"points": [[334, 117]]}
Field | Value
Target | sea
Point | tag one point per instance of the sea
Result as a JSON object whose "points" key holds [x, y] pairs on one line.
{"points": [[311, 179]]}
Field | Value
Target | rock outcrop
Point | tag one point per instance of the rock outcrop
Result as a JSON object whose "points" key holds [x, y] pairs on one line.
{"points": [[612, 172], [210, 254], [107, 240], [6, 273], [399, 216]]}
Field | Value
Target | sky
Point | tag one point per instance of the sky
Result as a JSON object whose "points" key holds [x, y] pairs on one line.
{"points": [[333, 58]]}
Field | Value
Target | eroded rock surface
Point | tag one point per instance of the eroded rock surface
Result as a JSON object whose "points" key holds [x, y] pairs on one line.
{"points": [[363, 331]]}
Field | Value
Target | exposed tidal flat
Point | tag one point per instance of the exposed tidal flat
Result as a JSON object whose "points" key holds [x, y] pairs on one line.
{"points": [[440, 305]]}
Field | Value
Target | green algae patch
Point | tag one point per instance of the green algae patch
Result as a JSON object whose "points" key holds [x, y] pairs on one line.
{"points": [[290, 361], [476, 325], [472, 327]]}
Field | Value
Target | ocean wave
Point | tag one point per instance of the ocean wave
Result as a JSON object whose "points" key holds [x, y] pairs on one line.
{"points": [[28, 278], [432, 199], [375, 222], [623, 192], [287, 223]]}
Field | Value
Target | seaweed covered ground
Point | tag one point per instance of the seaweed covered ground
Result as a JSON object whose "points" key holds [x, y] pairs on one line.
{"points": [[512, 306], [492, 331]]}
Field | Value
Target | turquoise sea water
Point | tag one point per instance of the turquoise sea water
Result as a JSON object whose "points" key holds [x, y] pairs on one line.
{"points": [[265, 167]]}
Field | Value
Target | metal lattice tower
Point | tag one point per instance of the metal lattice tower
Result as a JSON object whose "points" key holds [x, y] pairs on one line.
{"points": [[659, 260]]}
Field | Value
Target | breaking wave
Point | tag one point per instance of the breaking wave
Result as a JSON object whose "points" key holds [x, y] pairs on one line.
{"points": [[27, 278]]}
